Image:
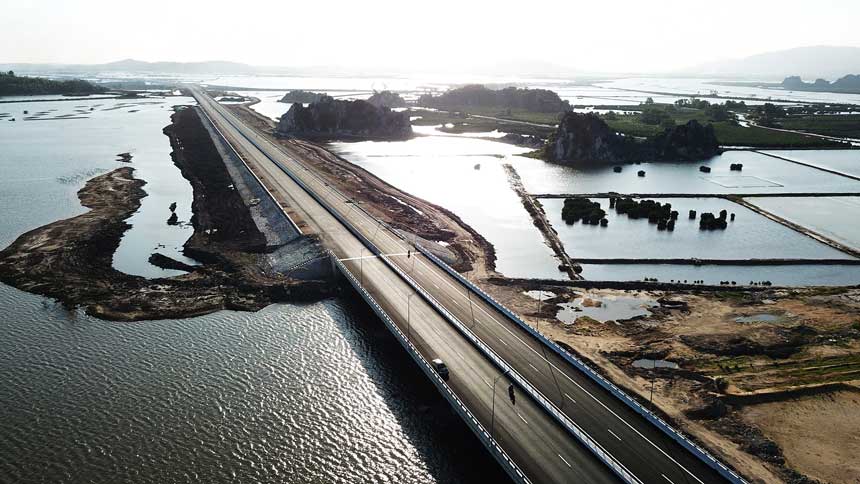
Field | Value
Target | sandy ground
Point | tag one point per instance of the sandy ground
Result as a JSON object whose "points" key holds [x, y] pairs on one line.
{"points": [[815, 340], [819, 435]]}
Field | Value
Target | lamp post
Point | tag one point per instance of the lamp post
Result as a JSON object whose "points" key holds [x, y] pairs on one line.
{"points": [[493, 417], [408, 324]]}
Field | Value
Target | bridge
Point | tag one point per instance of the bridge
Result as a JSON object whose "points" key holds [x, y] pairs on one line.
{"points": [[565, 422]]}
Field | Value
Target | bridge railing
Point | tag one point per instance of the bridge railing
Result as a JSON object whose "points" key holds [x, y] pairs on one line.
{"points": [[631, 402], [512, 469], [545, 403]]}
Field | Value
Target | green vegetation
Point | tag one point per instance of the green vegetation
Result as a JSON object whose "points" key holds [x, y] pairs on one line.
{"points": [[576, 209], [652, 118], [476, 95], [462, 122], [839, 125], [657, 213], [12, 85]]}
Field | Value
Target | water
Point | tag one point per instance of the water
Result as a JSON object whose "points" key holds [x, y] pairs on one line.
{"points": [[750, 236], [605, 308], [693, 87], [761, 174], [440, 169], [832, 217], [646, 363], [294, 393], [843, 161], [759, 318], [46, 161], [795, 275]]}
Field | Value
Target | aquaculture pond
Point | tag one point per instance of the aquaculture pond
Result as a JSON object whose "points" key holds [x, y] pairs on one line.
{"points": [[749, 236], [843, 161], [760, 174], [785, 275], [833, 217]]}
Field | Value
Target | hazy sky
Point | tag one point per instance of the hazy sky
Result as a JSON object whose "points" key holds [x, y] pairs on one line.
{"points": [[603, 35]]}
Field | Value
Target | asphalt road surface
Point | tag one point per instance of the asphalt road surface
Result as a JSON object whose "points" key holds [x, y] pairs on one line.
{"points": [[542, 448]]}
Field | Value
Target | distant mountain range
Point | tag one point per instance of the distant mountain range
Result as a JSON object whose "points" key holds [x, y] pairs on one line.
{"points": [[135, 66], [508, 68], [815, 62]]}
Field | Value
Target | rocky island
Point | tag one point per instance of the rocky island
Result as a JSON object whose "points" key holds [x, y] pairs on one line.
{"points": [[477, 95], [299, 96], [386, 99], [585, 138], [331, 118]]}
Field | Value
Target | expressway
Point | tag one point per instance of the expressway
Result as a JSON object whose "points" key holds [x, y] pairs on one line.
{"points": [[408, 288]]}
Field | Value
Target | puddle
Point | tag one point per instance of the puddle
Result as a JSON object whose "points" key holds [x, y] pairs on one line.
{"points": [[607, 308], [759, 318], [645, 363], [540, 295]]}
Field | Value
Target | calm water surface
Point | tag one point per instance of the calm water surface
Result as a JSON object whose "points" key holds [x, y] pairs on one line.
{"points": [[441, 169], [761, 174], [844, 161], [45, 161], [833, 217], [750, 236]]}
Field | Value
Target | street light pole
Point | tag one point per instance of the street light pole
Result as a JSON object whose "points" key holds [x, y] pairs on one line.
{"points": [[471, 309], [493, 417], [651, 398], [408, 324]]}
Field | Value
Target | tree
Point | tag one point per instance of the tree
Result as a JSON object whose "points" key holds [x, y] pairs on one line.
{"points": [[649, 101], [10, 74]]}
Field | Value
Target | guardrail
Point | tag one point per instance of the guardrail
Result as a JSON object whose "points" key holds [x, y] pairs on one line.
{"points": [[544, 402], [676, 435], [473, 423], [673, 433]]}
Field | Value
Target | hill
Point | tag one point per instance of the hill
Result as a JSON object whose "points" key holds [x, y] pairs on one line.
{"points": [[811, 62], [14, 85]]}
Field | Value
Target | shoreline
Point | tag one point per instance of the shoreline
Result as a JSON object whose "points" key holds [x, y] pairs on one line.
{"points": [[71, 260]]}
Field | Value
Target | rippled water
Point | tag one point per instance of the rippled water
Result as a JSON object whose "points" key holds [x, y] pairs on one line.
{"points": [[315, 393], [310, 393]]}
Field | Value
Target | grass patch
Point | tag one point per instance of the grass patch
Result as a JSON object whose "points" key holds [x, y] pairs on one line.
{"points": [[838, 125], [728, 132]]}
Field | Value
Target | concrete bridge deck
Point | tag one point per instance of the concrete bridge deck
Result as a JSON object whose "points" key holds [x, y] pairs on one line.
{"points": [[442, 316]]}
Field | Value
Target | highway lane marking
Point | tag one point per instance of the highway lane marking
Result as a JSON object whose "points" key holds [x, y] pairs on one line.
{"points": [[503, 342], [488, 383], [534, 367], [571, 398], [613, 434], [568, 463], [437, 274], [664, 477], [521, 417]]}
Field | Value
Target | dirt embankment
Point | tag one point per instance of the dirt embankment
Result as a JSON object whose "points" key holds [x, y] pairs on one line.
{"points": [[754, 366], [474, 254], [71, 260]]}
